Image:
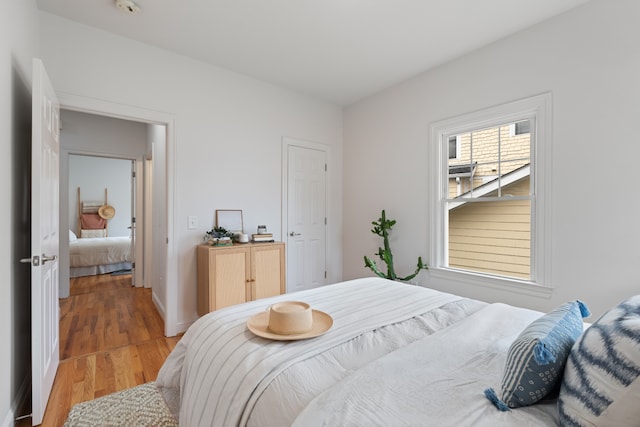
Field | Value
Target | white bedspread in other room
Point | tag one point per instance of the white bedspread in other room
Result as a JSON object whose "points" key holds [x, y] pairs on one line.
{"points": [[221, 374], [86, 252], [436, 381]]}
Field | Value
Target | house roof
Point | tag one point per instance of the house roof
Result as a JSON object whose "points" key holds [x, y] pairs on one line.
{"points": [[505, 181]]}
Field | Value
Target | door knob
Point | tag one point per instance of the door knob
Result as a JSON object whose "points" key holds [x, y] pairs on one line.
{"points": [[293, 233], [46, 258], [35, 261]]}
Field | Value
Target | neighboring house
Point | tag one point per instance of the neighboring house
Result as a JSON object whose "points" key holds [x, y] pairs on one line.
{"points": [[495, 236]]}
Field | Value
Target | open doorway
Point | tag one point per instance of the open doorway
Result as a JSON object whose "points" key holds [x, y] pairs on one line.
{"points": [[87, 141], [102, 213], [158, 186]]}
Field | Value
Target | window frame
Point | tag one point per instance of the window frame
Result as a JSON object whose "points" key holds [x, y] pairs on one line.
{"points": [[538, 109]]}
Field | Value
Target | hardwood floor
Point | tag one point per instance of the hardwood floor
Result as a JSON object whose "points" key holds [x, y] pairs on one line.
{"points": [[111, 339]]}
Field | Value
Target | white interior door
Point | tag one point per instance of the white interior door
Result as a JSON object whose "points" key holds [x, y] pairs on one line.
{"points": [[132, 227], [44, 239], [306, 217]]}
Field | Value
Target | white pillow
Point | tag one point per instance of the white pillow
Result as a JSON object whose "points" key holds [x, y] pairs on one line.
{"points": [[72, 236], [601, 384], [93, 233]]}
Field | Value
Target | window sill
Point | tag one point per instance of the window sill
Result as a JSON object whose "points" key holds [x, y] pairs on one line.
{"points": [[494, 282]]}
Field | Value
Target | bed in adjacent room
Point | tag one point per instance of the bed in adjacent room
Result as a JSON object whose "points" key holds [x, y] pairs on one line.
{"points": [[395, 354], [89, 256], [92, 251]]}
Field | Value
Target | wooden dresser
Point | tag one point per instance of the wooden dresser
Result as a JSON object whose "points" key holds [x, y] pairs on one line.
{"points": [[229, 275]]}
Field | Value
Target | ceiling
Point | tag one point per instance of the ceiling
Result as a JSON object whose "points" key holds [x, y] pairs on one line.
{"points": [[336, 50]]}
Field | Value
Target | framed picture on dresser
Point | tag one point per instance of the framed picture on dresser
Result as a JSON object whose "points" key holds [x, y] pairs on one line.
{"points": [[230, 220]]}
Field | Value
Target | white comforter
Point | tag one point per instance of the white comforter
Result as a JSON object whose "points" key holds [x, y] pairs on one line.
{"points": [[220, 374], [89, 251], [436, 381]]}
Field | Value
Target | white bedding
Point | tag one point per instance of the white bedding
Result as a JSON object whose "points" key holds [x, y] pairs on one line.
{"points": [[436, 381], [87, 252], [221, 374]]}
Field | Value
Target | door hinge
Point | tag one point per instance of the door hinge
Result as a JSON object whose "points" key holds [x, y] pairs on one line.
{"points": [[133, 174], [133, 265], [325, 220], [325, 274], [325, 167]]}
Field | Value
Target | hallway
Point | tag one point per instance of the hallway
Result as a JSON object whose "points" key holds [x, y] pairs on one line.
{"points": [[111, 339]]}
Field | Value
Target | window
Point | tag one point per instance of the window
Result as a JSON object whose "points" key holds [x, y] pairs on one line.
{"points": [[454, 147], [490, 200], [520, 128]]}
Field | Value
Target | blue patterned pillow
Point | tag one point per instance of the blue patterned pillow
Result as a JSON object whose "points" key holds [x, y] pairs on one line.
{"points": [[601, 384], [536, 359]]}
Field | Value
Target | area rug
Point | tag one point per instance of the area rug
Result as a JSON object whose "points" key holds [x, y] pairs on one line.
{"points": [[138, 406]]}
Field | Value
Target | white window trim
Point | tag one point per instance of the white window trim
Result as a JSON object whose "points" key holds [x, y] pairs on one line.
{"points": [[536, 107]]}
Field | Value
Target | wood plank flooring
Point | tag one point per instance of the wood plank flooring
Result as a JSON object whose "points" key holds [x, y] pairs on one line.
{"points": [[111, 339]]}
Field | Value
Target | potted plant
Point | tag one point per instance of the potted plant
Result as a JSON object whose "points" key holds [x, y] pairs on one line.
{"points": [[382, 228], [218, 236]]}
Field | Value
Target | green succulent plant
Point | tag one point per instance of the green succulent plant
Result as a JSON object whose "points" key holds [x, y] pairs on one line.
{"points": [[219, 232], [381, 228]]}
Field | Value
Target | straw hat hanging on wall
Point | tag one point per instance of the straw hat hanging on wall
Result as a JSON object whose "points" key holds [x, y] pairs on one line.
{"points": [[106, 211]]}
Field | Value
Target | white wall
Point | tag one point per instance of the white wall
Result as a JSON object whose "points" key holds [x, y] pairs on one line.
{"points": [[588, 59], [228, 132], [106, 136], [93, 175], [18, 45]]}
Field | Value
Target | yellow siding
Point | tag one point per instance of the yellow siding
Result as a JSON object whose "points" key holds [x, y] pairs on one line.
{"points": [[493, 237], [514, 153]]}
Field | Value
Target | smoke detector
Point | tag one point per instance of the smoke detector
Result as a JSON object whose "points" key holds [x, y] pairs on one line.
{"points": [[128, 6]]}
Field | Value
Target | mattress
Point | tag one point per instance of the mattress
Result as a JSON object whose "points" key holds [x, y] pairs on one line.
{"points": [[86, 252], [397, 354]]}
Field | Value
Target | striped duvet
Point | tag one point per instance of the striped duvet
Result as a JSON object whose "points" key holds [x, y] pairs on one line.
{"points": [[220, 374]]}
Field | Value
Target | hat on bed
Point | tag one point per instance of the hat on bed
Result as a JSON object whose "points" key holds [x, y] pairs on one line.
{"points": [[289, 321], [106, 211]]}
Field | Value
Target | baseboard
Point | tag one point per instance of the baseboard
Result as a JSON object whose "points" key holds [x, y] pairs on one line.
{"points": [[183, 326], [179, 327], [159, 306], [17, 403]]}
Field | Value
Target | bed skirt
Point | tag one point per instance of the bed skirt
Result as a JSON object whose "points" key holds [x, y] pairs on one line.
{"points": [[98, 269]]}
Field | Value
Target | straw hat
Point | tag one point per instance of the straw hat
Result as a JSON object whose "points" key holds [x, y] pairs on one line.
{"points": [[289, 321], [106, 211]]}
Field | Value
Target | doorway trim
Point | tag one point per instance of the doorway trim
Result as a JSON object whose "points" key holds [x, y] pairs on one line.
{"points": [[296, 142], [84, 104]]}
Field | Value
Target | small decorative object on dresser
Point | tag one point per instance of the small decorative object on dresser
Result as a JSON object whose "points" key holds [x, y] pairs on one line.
{"points": [[262, 237], [218, 236], [230, 219]]}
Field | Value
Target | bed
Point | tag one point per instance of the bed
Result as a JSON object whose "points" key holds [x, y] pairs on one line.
{"points": [[89, 256], [396, 354]]}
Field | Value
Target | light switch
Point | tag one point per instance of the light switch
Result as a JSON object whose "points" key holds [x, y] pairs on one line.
{"points": [[192, 223]]}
